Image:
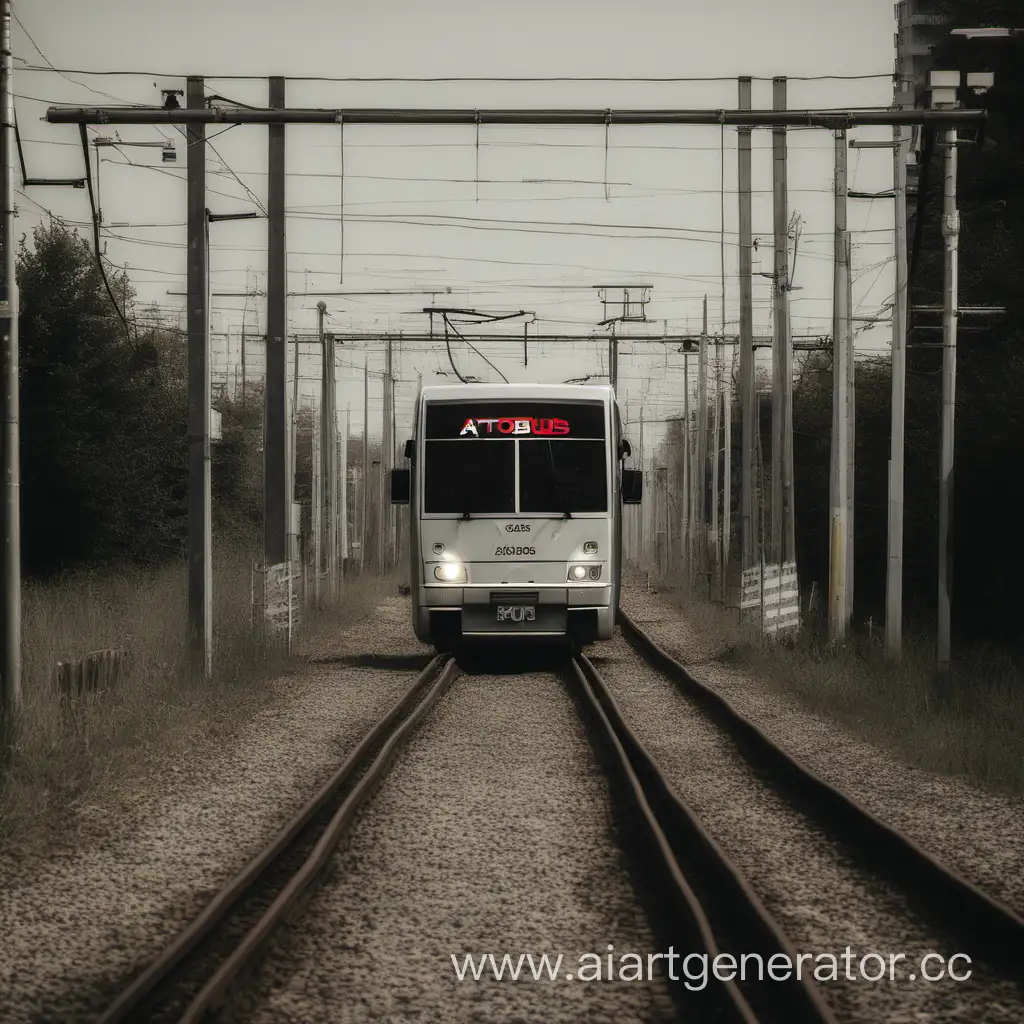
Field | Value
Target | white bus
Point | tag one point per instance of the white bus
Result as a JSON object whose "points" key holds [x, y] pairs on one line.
{"points": [[515, 519]]}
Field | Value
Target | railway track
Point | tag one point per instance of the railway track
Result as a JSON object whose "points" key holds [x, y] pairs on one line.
{"points": [[982, 926], [711, 901], [196, 972], [705, 904]]}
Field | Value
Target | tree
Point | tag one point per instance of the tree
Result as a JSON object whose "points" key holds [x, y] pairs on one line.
{"points": [[102, 430]]}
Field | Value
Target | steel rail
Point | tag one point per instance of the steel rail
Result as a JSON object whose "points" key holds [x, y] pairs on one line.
{"points": [[147, 983], [979, 921], [732, 899], [251, 945], [416, 115], [732, 1002]]}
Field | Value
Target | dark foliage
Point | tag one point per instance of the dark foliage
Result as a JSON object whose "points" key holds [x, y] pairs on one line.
{"points": [[989, 433], [103, 421]]}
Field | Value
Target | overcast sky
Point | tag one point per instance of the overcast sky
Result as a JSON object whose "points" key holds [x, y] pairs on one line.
{"points": [[431, 208]]}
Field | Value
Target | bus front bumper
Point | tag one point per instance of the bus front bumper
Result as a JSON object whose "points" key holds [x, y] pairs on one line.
{"points": [[494, 611]]}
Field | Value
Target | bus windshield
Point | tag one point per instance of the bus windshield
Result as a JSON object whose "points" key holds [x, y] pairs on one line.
{"points": [[471, 451]]}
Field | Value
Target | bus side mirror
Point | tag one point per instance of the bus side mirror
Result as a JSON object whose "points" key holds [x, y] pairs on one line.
{"points": [[632, 486], [400, 486], [410, 448], [625, 449]]}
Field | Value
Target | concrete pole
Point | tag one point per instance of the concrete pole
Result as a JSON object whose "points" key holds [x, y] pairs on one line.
{"points": [[686, 504], [715, 453], [324, 446], [723, 395], [837, 612], [386, 458], [10, 504], [381, 553], [332, 540], [365, 476], [748, 527], [894, 567], [317, 502], [851, 431], [343, 487], [779, 333], [701, 453], [328, 454], [950, 298], [294, 447], [783, 522], [275, 475], [200, 568], [640, 511]]}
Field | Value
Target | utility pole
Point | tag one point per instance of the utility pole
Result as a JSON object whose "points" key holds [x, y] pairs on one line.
{"points": [[837, 611], [700, 477], [275, 469], [200, 564], [10, 509], [242, 353], [613, 360], [894, 566], [687, 474], [724, 395], [293, 462], [715, 453], [783, 524], [746, 331], [950, 298], [327, 445], [343, 500], [851, 432], [387, 447], [335, 525], [365, 478], [316, 506], [640, 511]]}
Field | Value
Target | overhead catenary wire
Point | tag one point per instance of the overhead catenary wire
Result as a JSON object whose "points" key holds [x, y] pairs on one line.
{"points": [[96, 236], [465, 78]]}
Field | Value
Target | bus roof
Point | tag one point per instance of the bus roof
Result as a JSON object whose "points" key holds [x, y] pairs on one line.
{"points": [[523, 392]]}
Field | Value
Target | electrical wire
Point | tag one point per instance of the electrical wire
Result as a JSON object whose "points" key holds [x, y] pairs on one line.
{"points": [[470, 78], [96, 237], [448, 346], [474, 348]]}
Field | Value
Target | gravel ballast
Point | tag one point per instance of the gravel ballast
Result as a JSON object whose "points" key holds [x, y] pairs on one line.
{"points": [[822, 901], [491, 834], [140, 864], [978, 834]]}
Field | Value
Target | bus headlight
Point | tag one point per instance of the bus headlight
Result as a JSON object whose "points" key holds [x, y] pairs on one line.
{"points": [[450, 572], [579, 573]]}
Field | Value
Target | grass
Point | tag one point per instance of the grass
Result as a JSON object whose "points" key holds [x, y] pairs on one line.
{"points": [[973, 728], [64, 753]]}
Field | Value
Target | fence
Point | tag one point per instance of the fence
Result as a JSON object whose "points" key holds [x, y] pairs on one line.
{"points": [[91, 674]]}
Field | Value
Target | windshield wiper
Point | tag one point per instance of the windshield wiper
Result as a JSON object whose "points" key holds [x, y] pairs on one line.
{"points": [[466, 515]]}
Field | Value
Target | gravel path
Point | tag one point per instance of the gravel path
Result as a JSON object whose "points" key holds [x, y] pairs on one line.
{"points": [[491, 834], [819, 898], [979, 834], [97, 907]]}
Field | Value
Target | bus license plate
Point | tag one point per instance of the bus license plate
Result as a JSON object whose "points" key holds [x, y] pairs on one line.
{"points": [[516, 613]]}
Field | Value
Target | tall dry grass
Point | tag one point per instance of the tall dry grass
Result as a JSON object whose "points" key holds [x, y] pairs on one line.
{"points": [[64, 751], [973, 727]]}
